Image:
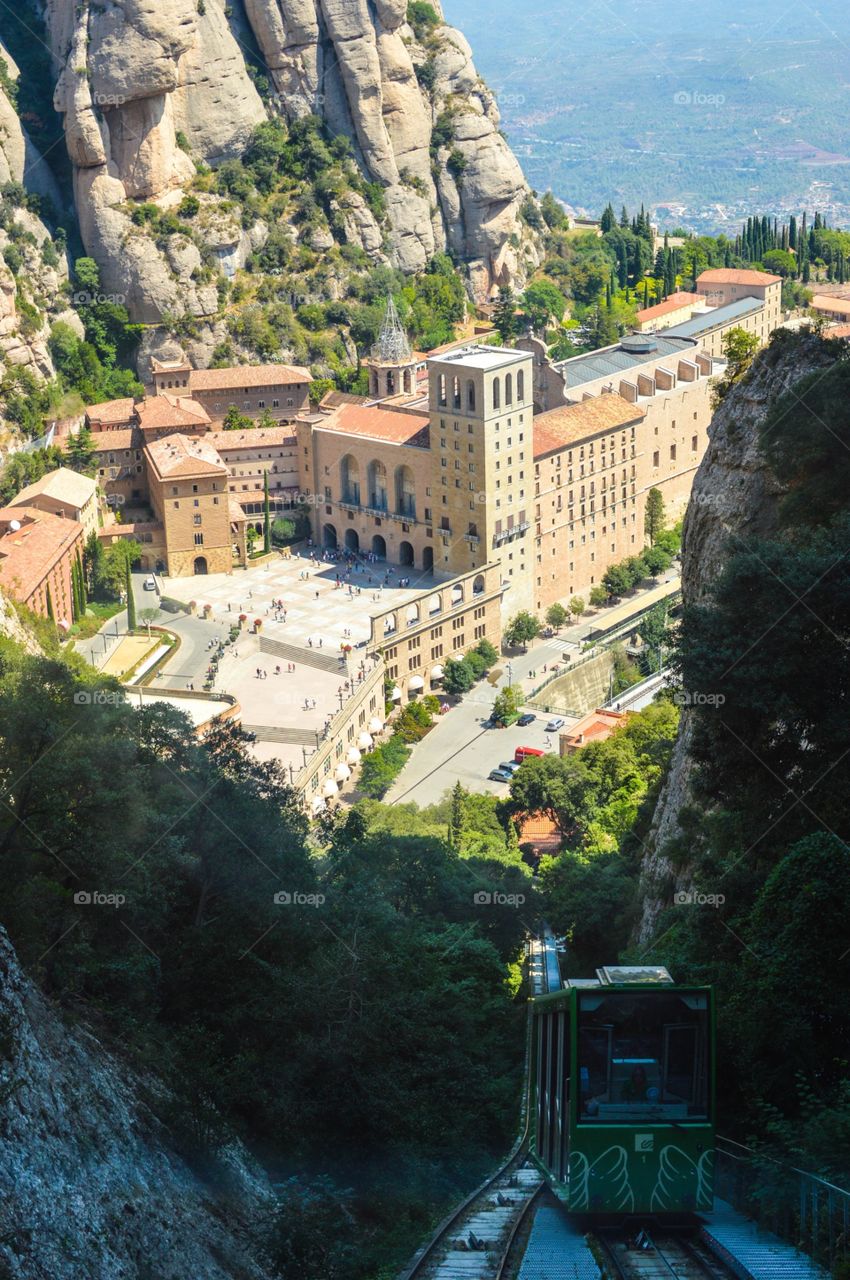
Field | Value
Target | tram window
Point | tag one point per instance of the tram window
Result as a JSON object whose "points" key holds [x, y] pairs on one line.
{"points": [[643, 1056]]}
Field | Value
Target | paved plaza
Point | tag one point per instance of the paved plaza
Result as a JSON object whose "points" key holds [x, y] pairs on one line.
{"points": [[326, 602]]}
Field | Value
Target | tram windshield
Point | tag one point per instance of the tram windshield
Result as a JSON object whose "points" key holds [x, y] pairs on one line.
{"points": [[643, 1056]]}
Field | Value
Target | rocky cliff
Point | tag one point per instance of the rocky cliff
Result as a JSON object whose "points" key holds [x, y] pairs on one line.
{"points": [[153, 92], [734, 500], [33, 276], [89, 1183]]}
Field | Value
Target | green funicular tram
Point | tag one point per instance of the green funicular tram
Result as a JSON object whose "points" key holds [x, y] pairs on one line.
{"points": [[623, 1093]]}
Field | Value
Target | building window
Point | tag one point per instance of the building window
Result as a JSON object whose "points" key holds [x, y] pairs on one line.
{"points": [[196, 519], [199, 539]]}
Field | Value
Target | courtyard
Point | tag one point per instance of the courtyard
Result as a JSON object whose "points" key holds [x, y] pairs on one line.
{"points": [[325, 603]]}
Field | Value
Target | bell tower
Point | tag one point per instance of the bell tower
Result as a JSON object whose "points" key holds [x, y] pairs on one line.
{"points": [[392, 364]]}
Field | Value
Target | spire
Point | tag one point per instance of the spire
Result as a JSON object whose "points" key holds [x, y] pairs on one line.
{"points": [[392, 346]]}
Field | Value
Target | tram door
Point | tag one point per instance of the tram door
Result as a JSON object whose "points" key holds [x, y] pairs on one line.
{"points": [[553, 1091]]}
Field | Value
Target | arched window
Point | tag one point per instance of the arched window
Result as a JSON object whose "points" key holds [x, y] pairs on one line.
{"points": [[405, 492], [406, 382], [520, 385], [509, 389], [441, 390], [470, 396], [456, 393], [376, 474], [349, 475], [497, 399]]}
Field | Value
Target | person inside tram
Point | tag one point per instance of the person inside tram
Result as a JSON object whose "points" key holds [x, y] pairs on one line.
{"points": [[635, 1088]]}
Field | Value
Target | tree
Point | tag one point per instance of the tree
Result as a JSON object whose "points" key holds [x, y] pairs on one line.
{"points": [[522, 628], [617, 580], [542, 303], [577, 606], [507, 703], [656, 559], [598, 596], [236, 421], [504, 315], [80, 450], [147, 616], [476, 663], [131, 599], [556, 615], [458, 676], [267, 520], [488, 652], [653, 520]]}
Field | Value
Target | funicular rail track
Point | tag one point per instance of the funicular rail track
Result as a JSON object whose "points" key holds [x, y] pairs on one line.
{"points": [[661, 1254], [477, 1240]]}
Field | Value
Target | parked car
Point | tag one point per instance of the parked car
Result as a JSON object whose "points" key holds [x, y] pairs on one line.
{"points": [[500, 775], [150, 584], [510, 765], [527, 717], [555, 724]]}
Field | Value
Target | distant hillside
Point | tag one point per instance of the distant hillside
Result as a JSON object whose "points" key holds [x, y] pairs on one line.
{"points": [[693, 105]]}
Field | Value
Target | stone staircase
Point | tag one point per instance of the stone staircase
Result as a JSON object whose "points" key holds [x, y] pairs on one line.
{"points": [[307, 657]]}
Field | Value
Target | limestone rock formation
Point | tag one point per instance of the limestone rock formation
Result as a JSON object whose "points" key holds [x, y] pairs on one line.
{"points": [[25, 313], [363, 69], [139, 85], [735, 495], [89, 1183]]}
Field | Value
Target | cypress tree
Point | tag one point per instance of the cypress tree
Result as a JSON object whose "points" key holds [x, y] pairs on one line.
{"points": [[49, 603], [131, 599], [83, 594], [267, 520]]}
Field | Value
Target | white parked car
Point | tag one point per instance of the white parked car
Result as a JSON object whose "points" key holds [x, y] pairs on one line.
{"points": [[150, 584], [555, 724]]}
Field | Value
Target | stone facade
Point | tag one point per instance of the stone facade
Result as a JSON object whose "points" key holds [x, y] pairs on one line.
{"points": [[443, 622], [37, 550], [188, 490]]}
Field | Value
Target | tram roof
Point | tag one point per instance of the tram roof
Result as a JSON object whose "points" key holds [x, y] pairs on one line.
{"points": [[626, 975]]}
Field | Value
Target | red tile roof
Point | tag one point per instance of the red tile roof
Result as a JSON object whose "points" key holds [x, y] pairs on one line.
{"points": [[390, 425], [111, 412], [571, 422], [674, 303], [178, 412], [178, 456], [27, 554], [250, 375], [728, 275], [113, 441], [826, 302], [251, 438]]}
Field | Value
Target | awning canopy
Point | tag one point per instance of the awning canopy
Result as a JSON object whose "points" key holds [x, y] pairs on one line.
{"points": [[364, 742], [416, 682], [330, 788], [395, 696], [342, 773], [353, 756], [437, 672], [318, 804], [376, 725]]}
